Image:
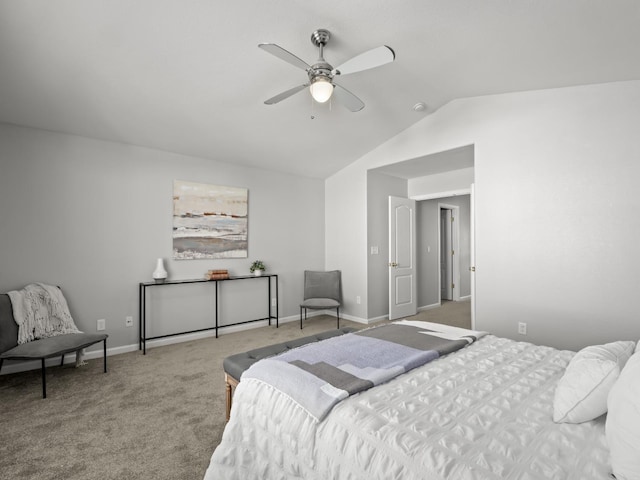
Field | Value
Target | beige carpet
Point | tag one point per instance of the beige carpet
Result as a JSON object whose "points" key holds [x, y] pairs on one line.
{"points": [[157, 416]]}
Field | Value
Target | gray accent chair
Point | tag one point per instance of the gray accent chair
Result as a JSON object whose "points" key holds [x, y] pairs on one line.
{"points": [[322, 291], [43, 348]]}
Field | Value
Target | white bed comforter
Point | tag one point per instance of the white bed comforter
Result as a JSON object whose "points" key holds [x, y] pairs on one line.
{"points": [[482, 413]]}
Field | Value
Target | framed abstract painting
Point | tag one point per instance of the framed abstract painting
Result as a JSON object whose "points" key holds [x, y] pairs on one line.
{"points": [[209, 221]]}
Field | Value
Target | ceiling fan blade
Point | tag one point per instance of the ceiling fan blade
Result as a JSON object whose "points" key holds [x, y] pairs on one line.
{"points": [[286, 94], [348, 99], [369, 59], [283, 54]]}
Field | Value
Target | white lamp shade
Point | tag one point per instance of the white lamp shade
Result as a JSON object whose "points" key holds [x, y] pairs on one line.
{"points": [[321, 89]]}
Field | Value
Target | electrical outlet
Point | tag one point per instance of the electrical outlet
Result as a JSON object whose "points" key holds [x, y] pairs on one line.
{"points": [[273, 302], [128, 321], [358, 299], [522, 328], [101, 324]]}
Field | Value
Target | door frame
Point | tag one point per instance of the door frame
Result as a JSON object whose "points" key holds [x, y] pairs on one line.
{"points": [[472, 257], [455, 245]]}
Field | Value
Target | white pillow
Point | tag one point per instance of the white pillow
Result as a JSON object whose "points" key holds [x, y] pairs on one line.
{"points": [[581, 394], [623, 422]]}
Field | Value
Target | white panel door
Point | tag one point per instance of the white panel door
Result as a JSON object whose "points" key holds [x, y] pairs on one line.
{"points": [[402, 258]]}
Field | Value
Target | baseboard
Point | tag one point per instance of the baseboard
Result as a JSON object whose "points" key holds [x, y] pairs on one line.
{"points": [[350, 318], [429, 307], [377, 319], [344, 316], [386, 317]]}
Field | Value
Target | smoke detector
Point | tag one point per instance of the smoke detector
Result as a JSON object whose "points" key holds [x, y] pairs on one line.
{"points": [[420, 107]]}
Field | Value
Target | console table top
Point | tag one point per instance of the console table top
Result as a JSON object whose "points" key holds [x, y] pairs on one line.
{"points": [[204, 280]]}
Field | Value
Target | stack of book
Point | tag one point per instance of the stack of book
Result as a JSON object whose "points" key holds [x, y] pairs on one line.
{"points": [[217, 274]]}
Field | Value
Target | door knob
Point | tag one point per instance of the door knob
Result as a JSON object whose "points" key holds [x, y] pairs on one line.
{"points": [[393, 264]]}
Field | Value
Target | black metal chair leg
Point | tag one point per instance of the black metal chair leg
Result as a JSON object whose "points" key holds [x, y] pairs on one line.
{"points": [[300, 318], [44, 381], [338, 317], [62, 360]]}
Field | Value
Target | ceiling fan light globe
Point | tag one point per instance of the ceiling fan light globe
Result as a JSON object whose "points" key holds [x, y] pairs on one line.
{"points": [[321, 89]]}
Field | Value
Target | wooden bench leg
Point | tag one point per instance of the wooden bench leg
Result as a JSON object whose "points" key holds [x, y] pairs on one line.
{"points": [[229, 397], [231, 383]]}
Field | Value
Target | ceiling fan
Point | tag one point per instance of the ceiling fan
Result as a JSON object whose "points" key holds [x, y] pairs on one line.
{"points": [[321, 74]]}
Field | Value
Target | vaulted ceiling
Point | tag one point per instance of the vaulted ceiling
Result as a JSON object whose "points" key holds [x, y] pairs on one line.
{"points": [[186, 76]]}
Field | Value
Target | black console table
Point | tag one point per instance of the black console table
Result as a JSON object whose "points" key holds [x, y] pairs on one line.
{"points": [[216, 284]]}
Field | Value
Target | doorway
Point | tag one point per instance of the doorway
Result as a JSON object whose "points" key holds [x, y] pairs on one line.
{"points": [[448, 252], [446, 255]]}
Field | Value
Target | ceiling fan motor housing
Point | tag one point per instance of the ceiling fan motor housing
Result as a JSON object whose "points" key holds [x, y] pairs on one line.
{"points": [[320, 69]]}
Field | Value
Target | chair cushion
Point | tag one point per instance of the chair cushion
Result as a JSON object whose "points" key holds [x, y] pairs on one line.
{"points": [[53, 346], [235, 365], [320, 303], [8, 326]]}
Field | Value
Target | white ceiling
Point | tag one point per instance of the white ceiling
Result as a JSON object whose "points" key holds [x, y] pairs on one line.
{"points": [[186, 76]]}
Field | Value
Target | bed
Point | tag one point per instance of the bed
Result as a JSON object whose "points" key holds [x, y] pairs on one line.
{"points": [[484, 412]]}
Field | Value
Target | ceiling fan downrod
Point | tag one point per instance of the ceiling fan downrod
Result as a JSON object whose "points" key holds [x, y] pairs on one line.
{"points": [[320, 73]]}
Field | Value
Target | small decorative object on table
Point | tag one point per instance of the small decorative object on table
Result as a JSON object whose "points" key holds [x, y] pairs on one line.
{"points": [[217, 274], [159, 274], [257, 267]]}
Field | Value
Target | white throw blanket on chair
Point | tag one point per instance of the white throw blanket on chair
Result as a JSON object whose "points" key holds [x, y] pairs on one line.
{"points": [[41, 311]]}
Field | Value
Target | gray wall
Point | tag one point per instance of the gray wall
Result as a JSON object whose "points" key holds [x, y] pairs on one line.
{"points": [[428, 219], [94, 216], [556, 208], [379, 188]]}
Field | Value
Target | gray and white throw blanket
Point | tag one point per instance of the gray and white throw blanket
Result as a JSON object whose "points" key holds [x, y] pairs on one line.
{"points": [[41, 311], [319, 375]]}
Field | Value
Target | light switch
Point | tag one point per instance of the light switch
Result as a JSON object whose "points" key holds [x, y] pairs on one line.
{"points": [[374, 250]]}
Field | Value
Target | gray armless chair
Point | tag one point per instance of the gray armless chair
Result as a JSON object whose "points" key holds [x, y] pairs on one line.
{"points": [[322, 290]]}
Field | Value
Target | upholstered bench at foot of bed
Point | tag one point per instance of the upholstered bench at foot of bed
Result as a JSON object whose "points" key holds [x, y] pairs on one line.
{"points": [[235, 365]]}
